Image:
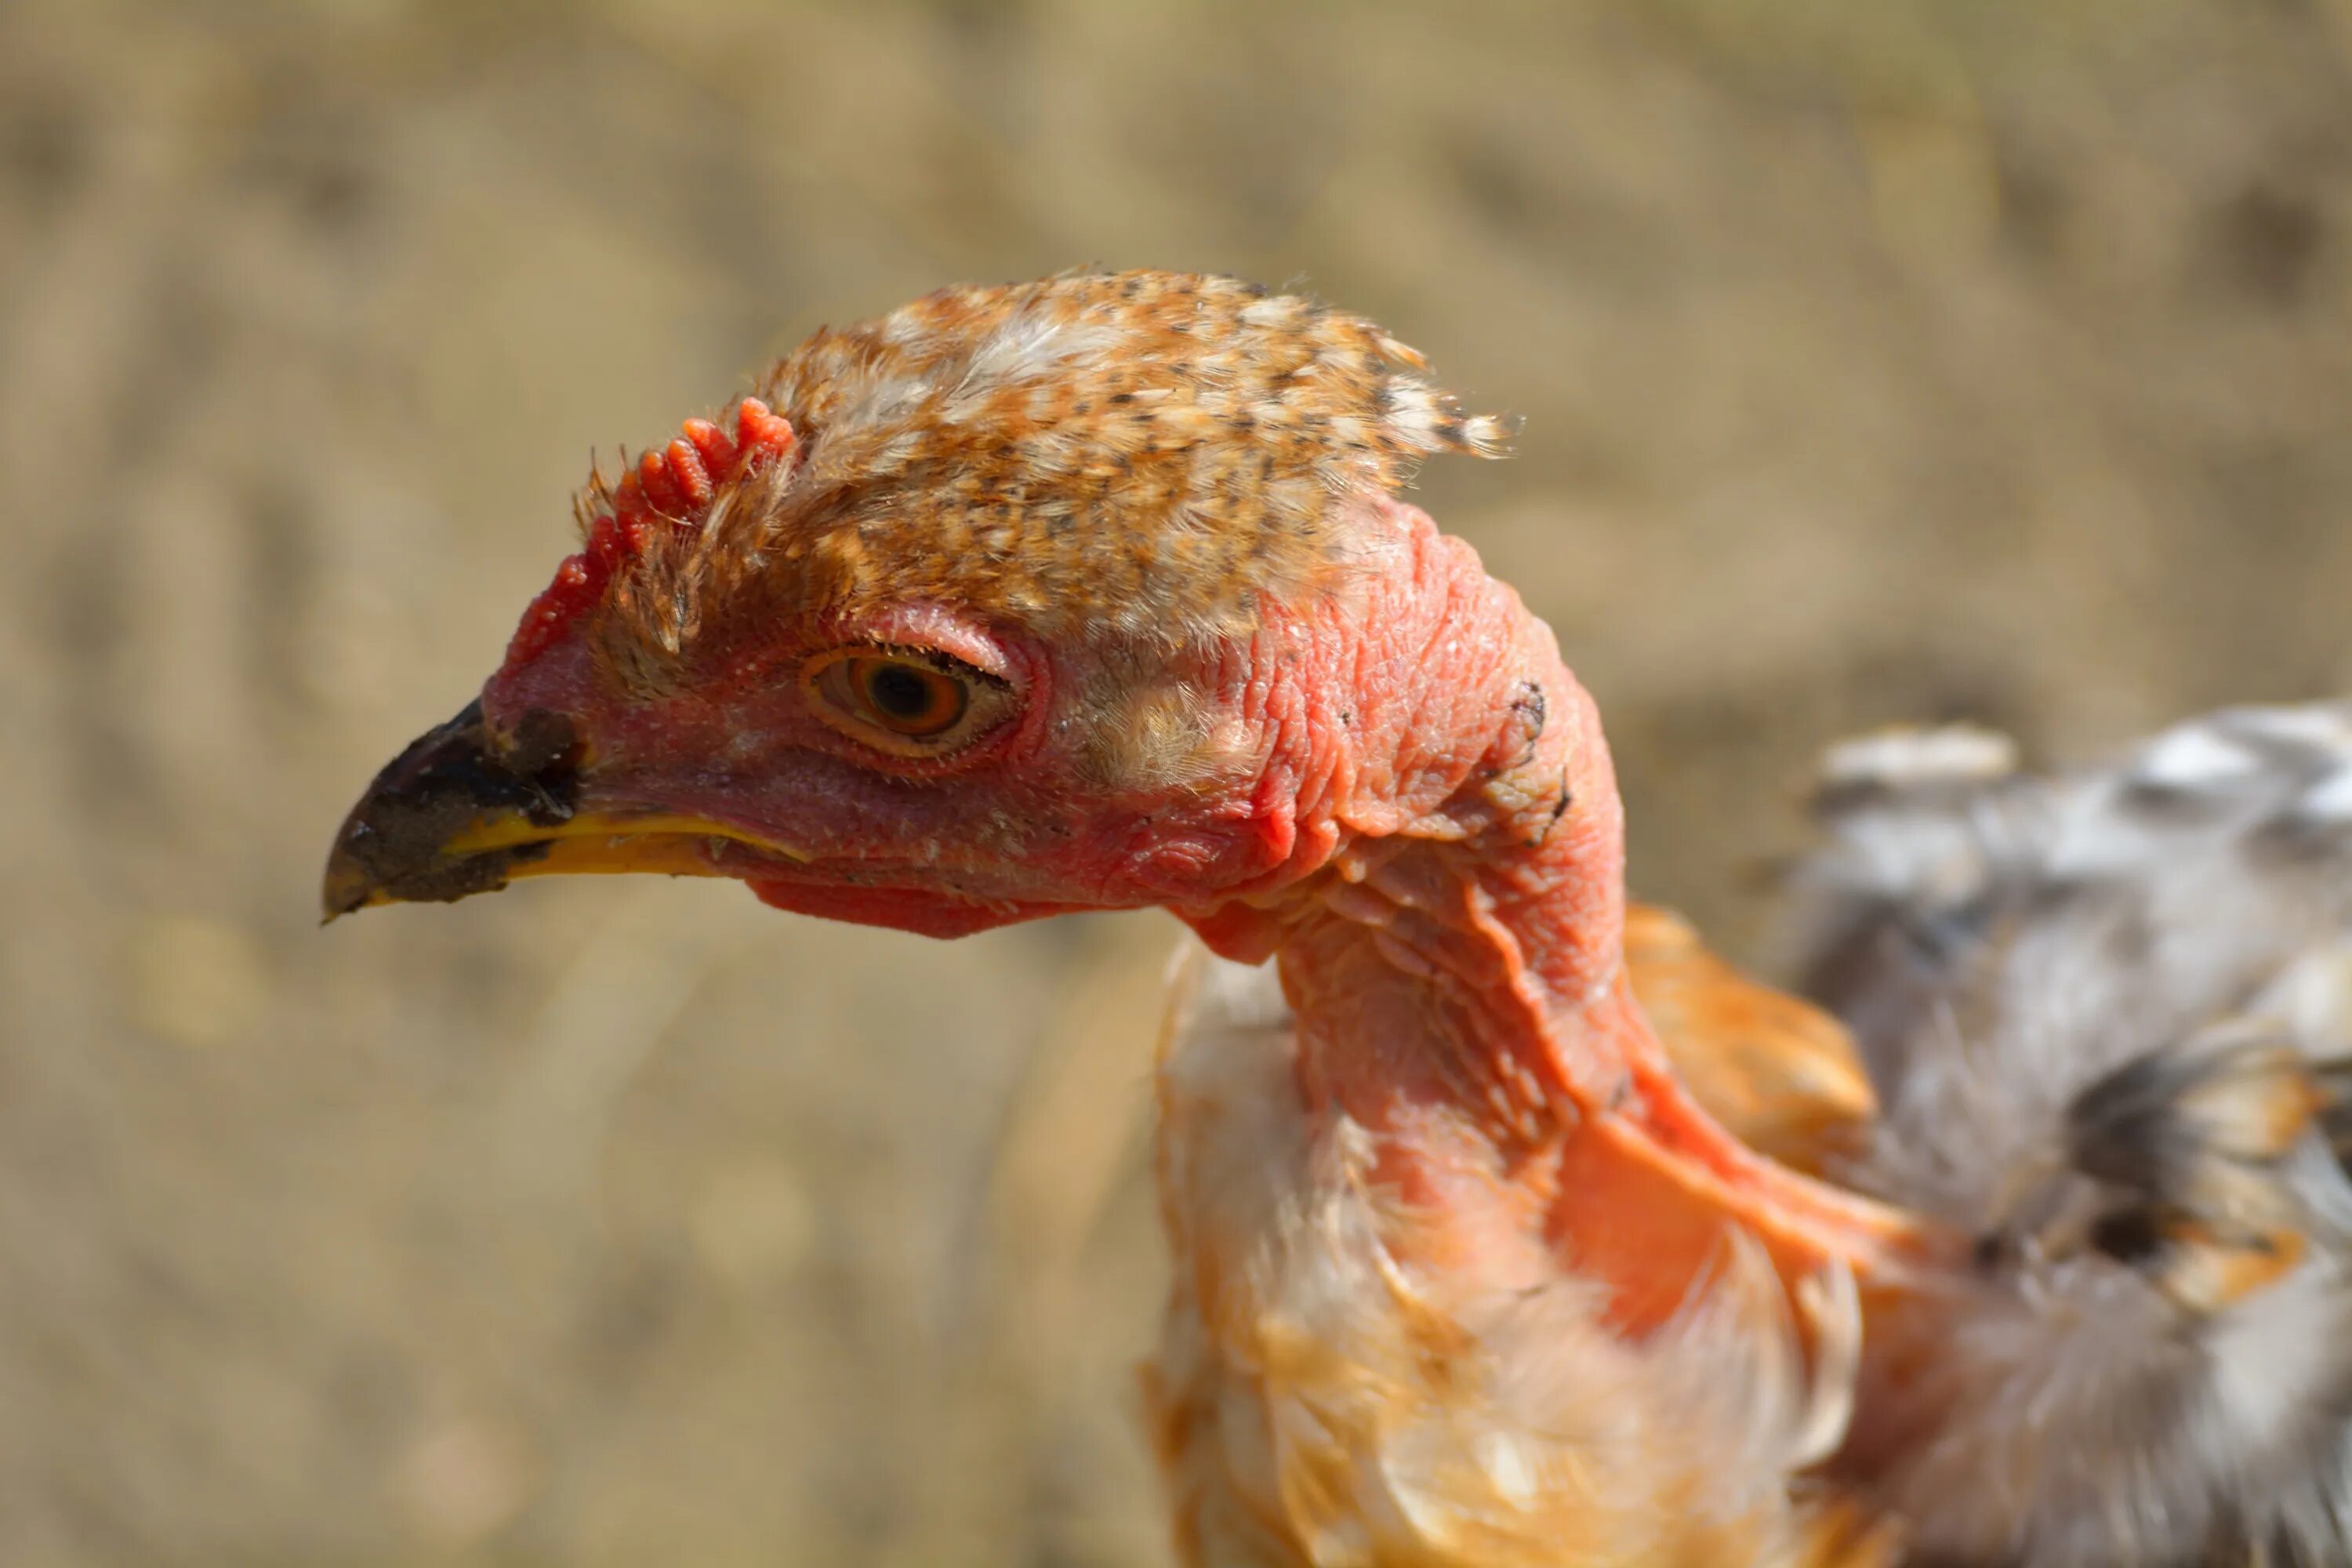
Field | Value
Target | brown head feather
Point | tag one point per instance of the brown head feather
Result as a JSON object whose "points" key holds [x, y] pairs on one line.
{"points": [[1137, 453]]}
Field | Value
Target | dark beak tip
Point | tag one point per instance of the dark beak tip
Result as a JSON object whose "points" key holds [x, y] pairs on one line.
{"points": [[394, 847], [343, 894], [348, 884]]}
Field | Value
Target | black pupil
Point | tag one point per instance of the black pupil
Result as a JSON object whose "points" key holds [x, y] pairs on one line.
{"points": [[901, 692]]}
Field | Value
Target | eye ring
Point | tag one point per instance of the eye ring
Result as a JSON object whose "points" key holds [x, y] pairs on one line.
{"points": [[908, 702]]}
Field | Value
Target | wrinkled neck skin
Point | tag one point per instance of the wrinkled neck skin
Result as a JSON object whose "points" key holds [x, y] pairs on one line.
{"points": [[1450, 914], [1449, 925]]}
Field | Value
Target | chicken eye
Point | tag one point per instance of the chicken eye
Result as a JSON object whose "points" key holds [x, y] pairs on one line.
{"points": [[911, 703], [907, 698]]}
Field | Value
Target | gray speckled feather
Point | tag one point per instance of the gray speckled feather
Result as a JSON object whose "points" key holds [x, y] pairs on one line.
{"points": [[2102, 1011]]}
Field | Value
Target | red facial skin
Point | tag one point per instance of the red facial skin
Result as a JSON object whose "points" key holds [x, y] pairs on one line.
{"points": [[1417, 815], [998, 832]]}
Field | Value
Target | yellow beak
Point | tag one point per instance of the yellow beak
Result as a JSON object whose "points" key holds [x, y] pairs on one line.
{"points": [[465, 810]]}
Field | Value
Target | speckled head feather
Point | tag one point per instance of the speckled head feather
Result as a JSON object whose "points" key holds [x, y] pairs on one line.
{"points": [[1136, 453]]}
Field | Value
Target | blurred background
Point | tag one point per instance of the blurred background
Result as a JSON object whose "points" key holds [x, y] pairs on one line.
{"points": [[1881, 359]]}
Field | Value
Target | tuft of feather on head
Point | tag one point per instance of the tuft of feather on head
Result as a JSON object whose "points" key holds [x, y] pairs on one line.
{"points": [[1138, 454]]}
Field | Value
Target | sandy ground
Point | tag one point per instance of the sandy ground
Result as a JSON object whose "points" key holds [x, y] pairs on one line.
{"points": [[1881, 359]]}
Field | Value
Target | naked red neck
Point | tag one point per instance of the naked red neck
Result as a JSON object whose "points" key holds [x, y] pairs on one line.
{"points": [[1455, 960]]}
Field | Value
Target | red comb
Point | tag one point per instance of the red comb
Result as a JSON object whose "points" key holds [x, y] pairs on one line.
{"points": [[671, 487]]}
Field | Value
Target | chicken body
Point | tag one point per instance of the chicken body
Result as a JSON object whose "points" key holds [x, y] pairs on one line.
{"points": [[1099, 592], [2100, 1010]]}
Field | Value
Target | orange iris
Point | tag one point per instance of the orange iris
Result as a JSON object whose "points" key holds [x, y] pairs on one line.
{"points": [[904, 697]]}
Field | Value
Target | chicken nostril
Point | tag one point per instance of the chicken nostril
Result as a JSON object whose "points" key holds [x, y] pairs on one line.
{"points": [[543, 754]]}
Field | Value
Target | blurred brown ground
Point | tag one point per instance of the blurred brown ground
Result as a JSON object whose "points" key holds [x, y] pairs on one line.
{"points": [[1881, 359]]}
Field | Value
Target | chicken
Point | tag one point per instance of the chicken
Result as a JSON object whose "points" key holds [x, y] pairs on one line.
{"points": [[1101, 593]]}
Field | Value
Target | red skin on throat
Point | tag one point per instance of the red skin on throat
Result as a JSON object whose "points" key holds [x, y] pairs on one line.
{"points": [[923, 913], [1449, 915]]}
